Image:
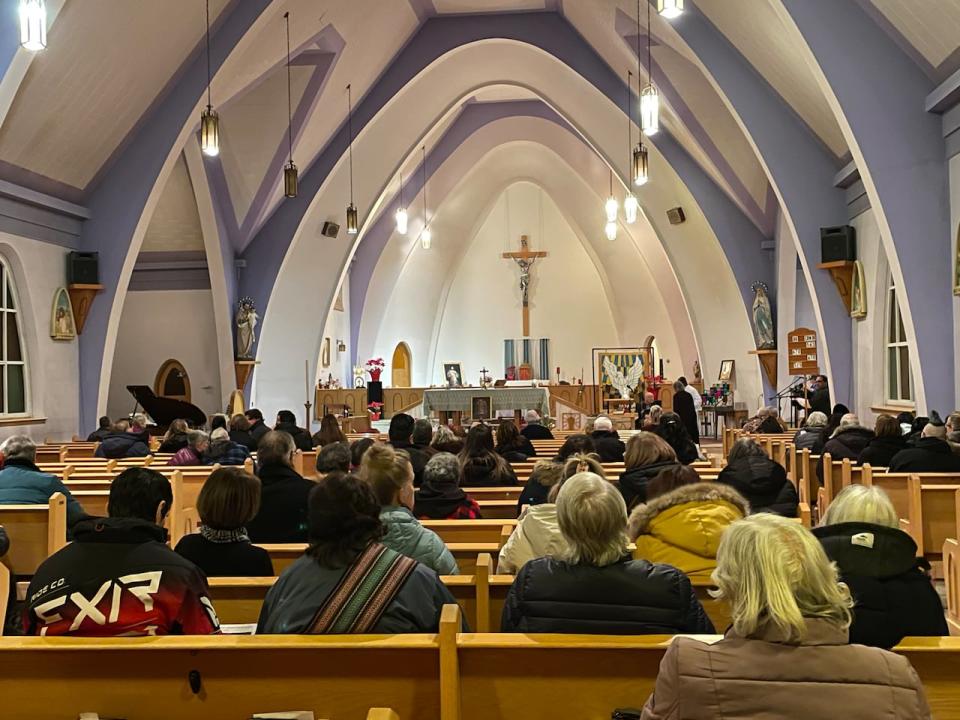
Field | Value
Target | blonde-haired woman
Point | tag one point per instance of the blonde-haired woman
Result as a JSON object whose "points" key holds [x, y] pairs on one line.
{"points": [[390, 474], [537, 533], [595, 586], [787, 654], [893, 593]]}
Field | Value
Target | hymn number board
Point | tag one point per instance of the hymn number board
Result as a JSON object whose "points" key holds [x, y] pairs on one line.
{"points": [[802, 352]]}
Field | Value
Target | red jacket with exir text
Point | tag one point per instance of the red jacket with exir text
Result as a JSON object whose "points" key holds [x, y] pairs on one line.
{"points": [[118, 578]]}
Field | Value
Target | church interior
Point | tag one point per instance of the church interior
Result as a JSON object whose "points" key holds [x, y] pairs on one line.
{"points": [[645, 237]]}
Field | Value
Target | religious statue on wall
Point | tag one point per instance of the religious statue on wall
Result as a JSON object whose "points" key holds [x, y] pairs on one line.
{"points": [[858, 292], [763, 317], [246, 328]]}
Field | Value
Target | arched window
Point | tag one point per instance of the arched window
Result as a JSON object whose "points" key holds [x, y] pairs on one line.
{"points": [[899, 378], [13, 360]]}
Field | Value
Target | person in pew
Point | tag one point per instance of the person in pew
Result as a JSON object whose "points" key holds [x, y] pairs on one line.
{"points": [[595, 587], [683, 520], [545, 474], [175, 439], [916, 429], [240, 432], [820, 394], [846, 443], [329, 432], [892, 591], [192, 454], [480, 466], [609, 446], [684, 407], [767, 420], [401, 438], [348, 581], [258, 428], [445, 440], [511, 445], [334, 457], [224, 451], [788, 653], [578, 444], [118, 577], [422, 437], [538, 533], [440, 497], [931, 453], [812, 436], [121, 443], [287, 422], [760, 480], [218, 420], [887, 442], [357, 450], [22, 482], [282, 517], [833, 422], [103, 429], [652, 420], [228, 500], [390, 474], [534, 428], [672, 429], [647, 454]]}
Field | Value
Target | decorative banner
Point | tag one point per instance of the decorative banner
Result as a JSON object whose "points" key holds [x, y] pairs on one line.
{"points": [[802, 352]]}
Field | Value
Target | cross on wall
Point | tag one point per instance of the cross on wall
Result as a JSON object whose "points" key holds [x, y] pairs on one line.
{"points": [[525, 258]]}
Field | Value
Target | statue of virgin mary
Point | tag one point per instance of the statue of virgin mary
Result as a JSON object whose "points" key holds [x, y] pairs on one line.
{"points": [[763, 318]]}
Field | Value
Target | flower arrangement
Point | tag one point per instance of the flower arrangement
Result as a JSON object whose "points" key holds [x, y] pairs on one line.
{"points": [[375, 408], [375, 367]]}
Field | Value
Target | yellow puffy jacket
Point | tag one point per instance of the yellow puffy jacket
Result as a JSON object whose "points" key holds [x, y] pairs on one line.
{"points": [[683, 527]]}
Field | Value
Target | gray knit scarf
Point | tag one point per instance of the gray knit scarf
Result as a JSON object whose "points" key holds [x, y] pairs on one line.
{"points": [[224, 536]]}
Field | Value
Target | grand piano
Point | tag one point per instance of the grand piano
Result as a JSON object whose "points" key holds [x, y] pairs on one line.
{"points": [[163, 410]]}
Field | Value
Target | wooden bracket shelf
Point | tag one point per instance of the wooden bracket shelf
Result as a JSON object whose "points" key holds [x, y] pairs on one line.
{"points": [[842, 273], [81, 297], [768, 361]]}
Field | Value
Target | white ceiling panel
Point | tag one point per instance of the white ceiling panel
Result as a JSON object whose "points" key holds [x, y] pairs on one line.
{"points": [[175, 225], [931, 26]]}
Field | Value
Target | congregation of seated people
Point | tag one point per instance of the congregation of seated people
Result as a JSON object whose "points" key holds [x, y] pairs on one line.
{"points": [[592, 552]]}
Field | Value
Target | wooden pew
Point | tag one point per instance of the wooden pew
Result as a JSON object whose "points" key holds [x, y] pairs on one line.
{"points": [[305, 463], [35, 532], [951, 576], [932, 517]]}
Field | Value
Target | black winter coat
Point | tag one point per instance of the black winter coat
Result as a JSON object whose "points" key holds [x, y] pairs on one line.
{"points": [[485, 471], [257, 430], [243, 437], [122, 445], [633, 482], [894, 597], [763, 483], [301, 438], [812, 439], [684, 406], [282, 517], [533, 493], [178, 441], [845, 445], [880, 451], [227, 559], [418, 459], [928, 454], [609, 446], [629, 597], [536, 431]]}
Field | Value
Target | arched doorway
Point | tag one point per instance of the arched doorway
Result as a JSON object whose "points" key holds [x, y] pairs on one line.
{"points": [[400, 367], [172, 381]]}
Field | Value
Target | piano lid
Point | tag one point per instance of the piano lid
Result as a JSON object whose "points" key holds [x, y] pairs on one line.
{"points": [[165, 410]]}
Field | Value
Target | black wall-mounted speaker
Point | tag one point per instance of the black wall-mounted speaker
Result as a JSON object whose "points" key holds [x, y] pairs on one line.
{"points": [[330, 229], [838, 244], [83, 268], [676, 216]]}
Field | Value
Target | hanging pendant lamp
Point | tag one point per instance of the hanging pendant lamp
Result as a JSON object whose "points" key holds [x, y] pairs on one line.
{"points": [[209, 120], [33, 25], [426, 237], [649, 96], [630, 204], [353, 226], [670, 9], [612, 207], [290, 178], [401, 215]]}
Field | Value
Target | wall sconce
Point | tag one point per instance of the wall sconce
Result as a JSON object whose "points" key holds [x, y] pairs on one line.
{"points": [[341, 346]]}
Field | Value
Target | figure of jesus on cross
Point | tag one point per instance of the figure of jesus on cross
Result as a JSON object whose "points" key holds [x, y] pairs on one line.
{"points": [[525, 259]]}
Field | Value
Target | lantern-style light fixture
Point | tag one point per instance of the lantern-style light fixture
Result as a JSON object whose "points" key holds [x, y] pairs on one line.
{"points": [[612, 207], [641, 165], [426, 236], [290, 179], [610, 230], [33, 25], [630, 204], [649, 96], [209, 120], [401, 215], [670, 9], [353, 226]]}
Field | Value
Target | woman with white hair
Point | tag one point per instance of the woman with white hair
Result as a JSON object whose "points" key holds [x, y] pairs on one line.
{"points": [[787, 654], [894, 597], [813, 435], [847, 442], [595, 586]]}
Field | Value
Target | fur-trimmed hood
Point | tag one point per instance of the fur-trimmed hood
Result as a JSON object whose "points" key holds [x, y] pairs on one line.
{"points": [[705, 492]]}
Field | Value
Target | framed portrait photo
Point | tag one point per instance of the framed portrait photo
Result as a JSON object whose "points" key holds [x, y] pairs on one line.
{"points": [[453, 374], [726, 370], [62, 324], [480, 407]]}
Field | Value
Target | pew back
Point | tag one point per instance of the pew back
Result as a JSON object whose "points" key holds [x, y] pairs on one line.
{"points": [[35, 532]]}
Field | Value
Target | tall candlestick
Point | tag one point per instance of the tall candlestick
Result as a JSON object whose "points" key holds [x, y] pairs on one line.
{"points": [[306, 379]]}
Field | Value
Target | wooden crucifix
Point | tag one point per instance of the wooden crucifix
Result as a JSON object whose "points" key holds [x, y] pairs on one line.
{"points": [[525, 259]]}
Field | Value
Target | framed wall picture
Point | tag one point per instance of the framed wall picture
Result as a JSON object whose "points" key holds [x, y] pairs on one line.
{"points": [[480, 407], [726, 371], [453, 374], [571, 421], [62, 325], [325, 353], [620, 375]]}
